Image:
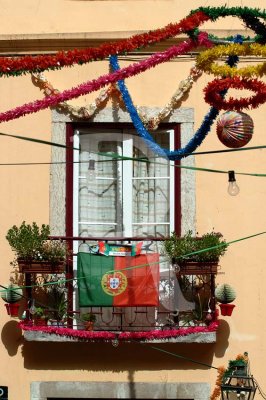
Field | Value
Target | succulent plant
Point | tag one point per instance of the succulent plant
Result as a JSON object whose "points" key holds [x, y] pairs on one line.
{"points": [[225, 293], [12, 294]]}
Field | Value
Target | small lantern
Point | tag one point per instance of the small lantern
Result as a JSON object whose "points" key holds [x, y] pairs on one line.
{"points": [[239, 384]]}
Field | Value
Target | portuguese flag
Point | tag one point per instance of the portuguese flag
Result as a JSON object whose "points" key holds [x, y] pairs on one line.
{"points": [[113, 281]]}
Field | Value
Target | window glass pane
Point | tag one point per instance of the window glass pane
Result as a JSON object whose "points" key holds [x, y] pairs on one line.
{"points": [[151, 188], [150, 230], [100, 211]]}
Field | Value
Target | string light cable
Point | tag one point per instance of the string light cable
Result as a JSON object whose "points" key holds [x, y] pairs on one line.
{"points": [[141, 159], [114, 155]]}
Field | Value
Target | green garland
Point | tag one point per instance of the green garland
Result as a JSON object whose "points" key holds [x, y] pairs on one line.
{"points": [[250, 16], [242, 12]]}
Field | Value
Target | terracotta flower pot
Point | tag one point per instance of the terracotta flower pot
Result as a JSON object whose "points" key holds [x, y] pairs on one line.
{"points": [[12, 309], [40, 321], [89, 325], [226, 309]]}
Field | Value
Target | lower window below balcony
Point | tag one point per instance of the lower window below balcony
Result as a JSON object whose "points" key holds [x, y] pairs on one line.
{"points": [[120, 390]]}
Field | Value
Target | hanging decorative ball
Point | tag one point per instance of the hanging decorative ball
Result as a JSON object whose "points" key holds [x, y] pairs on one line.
{"points": [[235, 129], [115, 342]]}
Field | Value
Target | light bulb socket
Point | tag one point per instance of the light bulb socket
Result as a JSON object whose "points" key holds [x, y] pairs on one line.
{"points": [[231, 176]]}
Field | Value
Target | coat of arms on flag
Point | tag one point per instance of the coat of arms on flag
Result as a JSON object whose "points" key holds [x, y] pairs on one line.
{"points": [[114, 283]]}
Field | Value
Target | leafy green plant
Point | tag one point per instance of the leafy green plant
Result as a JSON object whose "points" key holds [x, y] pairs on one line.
{"points": [[30, 243], [39, 312], [57, 303], [54, 251], [88, 317], [177, 248]]}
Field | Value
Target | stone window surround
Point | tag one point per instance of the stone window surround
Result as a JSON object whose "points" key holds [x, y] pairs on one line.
{"points": [[120, 390], [183, 116], [123, 390]]}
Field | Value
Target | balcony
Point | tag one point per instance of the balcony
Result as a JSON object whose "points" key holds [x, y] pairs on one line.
{"points": [[185, 313]]}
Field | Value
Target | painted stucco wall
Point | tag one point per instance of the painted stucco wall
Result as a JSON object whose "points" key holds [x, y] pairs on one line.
{"points": [[25, 196]]}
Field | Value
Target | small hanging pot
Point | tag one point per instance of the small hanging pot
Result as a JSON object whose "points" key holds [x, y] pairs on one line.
{"points": [[12, 309], [226, 309]]}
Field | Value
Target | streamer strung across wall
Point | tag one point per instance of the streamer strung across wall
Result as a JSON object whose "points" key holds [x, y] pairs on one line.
{"points": [[198, 137], [87, 111]]}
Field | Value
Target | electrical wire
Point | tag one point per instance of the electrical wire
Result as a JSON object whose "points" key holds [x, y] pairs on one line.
{"points": [[176, 355], [61, 280], [142, 159]]}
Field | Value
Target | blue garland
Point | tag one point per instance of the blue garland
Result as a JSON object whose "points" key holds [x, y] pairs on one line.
{"points": [[198, 137]]}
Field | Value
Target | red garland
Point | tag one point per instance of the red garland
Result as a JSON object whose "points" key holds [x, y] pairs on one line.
{"points": [[213, 93], [17, 66], [124, 336]]}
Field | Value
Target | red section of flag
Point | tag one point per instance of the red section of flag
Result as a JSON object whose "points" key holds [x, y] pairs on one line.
{"points": [[142, 281]]}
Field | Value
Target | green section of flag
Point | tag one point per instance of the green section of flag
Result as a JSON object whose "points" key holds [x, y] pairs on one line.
{"points": [[91, 268]]}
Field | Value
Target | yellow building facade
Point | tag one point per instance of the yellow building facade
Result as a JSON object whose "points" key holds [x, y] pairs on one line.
{"points": [[36, 192]]}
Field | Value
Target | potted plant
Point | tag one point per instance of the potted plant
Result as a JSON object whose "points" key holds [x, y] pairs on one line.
{"points": [[57, 305], [208, 249], [11, 295], [34, 251], [225, 294], [88, 320], [40, 316]]}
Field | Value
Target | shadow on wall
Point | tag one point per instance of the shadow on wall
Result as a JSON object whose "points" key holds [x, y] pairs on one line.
{"points": [[222, 342], [11, 337], [105, 357]]}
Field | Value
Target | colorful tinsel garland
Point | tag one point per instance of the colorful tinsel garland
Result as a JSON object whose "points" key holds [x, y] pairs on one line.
{"points": [[95, 84], [88, 111], [250, 16], [123, 336], [220, 12], [205, 60], [21, 65], [214, 88], [198, 137], [13, 66]]}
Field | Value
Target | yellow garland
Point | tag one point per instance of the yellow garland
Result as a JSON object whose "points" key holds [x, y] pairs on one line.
{"points": [[205, 60], [89, 110]]}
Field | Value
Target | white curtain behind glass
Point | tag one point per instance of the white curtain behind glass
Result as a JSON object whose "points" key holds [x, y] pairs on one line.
{"points": [[101, 198]]}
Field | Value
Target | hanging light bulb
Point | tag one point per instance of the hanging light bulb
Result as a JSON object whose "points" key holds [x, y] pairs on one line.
{"points": [[91, 173], [233, 188], [32, 308]]}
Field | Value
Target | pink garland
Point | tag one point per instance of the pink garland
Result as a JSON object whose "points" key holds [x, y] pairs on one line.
{"points": [[95, 84], [169, 333], [125, 336]]}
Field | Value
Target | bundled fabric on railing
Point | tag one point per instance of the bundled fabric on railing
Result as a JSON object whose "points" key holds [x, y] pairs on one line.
{"points": [[118, 281]]}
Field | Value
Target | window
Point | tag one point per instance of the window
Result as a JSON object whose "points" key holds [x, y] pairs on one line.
{"points": [[122, 198]]}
